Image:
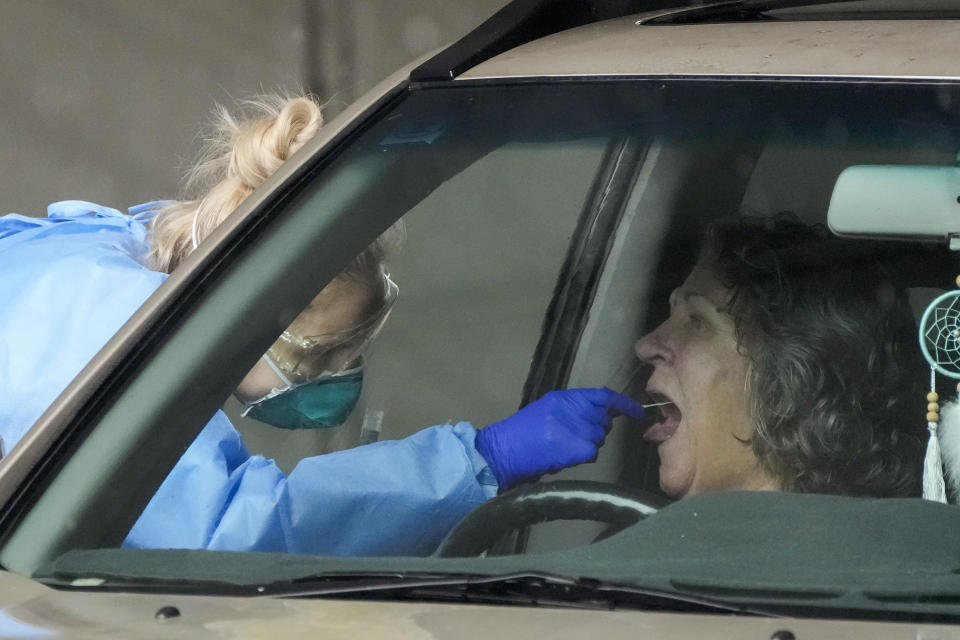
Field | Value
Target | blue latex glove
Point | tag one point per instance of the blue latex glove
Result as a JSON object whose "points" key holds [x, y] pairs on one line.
{"points": [[561, 429]]}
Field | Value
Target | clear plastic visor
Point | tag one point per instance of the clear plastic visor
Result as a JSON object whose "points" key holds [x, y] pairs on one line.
{"points": [[302, 359]]}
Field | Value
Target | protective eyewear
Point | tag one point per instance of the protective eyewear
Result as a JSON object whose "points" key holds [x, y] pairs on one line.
{"points": [[303, 359]]}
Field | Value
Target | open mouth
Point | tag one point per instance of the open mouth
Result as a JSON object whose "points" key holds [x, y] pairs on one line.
{"points": [[655, 403], [666, 417]]}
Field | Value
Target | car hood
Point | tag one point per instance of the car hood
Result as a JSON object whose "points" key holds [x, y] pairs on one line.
{"points": [[29, 609]]}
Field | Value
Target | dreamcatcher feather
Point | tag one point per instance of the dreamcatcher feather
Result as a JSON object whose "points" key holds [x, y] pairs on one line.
{"points": [[949, 436]]}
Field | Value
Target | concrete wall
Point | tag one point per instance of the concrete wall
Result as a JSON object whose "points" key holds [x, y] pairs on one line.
{"points": [[102, 100]]}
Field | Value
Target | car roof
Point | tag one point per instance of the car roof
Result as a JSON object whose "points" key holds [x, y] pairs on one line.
{"points": [[838, 48]]}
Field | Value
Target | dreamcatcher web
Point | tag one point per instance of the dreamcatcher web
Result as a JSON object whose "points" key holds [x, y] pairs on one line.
{"points": [[940, 334]]}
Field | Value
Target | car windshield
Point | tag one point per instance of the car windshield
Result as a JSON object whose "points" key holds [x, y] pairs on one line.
{"points": [[665, 239], [868, 9]]}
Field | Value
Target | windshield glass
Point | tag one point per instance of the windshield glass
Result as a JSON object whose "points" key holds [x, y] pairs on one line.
{"points": [[721, 398], [869, 9]]}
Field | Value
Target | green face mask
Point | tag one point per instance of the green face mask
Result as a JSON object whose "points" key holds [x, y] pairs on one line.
{"points": [[320, 404]]}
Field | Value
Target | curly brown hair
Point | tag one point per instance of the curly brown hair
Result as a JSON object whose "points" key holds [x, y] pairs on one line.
{"points": [[835, 370]]}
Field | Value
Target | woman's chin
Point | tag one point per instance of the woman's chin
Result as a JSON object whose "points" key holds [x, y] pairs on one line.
{"points": [[674, 485]]}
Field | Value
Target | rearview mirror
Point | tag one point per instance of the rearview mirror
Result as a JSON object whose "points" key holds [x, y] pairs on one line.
{"points": [[900, 201]]}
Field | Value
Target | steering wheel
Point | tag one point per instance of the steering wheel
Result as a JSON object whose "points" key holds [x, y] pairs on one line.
{"points": [[532, 504]]}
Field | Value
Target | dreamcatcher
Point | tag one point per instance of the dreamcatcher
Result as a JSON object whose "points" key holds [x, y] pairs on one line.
{"points": [[940, 343]]}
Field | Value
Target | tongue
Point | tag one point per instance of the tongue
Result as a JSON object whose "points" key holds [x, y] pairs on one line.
{"points": [[663, 430]]}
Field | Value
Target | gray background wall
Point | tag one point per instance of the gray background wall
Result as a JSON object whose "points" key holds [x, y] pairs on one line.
{"points": [[102, 100]]}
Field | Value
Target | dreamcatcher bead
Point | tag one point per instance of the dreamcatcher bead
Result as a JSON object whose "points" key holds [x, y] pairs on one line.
{"points": [[933, 397], [958, 281], [933, 406], [933, 416]]}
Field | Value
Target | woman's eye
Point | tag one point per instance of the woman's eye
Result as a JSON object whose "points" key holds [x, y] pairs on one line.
{"points": [[696, 322]]}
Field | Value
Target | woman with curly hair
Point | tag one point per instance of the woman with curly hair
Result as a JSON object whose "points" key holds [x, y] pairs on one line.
{"points": [[790, 357]]}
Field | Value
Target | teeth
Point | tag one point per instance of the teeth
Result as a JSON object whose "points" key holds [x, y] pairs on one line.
{"points": [[654, 412], [652, 398]]}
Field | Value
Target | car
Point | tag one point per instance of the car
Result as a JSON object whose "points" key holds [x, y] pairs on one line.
{"points": [[555, 170]]}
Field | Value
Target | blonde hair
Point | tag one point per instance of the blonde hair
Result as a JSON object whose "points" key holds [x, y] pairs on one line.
{"points": [[244, 150]]}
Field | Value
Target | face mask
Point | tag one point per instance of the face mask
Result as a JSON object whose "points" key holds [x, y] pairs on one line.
{"points": [[322, 403]]}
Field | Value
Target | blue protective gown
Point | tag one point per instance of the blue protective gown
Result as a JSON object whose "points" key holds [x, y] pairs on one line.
{"points": [[68, 282]]}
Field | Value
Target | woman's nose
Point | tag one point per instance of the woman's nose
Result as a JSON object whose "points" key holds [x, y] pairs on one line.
{"points": [[652, 348]]}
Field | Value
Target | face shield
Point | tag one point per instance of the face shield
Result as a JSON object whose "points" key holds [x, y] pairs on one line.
{"points": [[319, 378]]}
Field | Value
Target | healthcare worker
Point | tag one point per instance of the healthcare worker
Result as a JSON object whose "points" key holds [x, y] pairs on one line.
{"points": [[70, 280]]}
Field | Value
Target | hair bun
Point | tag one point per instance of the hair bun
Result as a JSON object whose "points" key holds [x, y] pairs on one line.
{"points": [[260, 146], [243, 151]]}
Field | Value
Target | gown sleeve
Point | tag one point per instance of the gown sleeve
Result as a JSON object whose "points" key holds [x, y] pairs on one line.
{"points": [[68, 282], [396, 497]]}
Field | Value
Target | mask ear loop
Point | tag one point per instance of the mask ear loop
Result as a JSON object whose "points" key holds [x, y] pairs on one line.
{"points": [[276, 370], [273, 392]]}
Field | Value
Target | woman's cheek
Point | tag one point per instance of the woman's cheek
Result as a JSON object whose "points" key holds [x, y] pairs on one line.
{"points": [[678, 462]]}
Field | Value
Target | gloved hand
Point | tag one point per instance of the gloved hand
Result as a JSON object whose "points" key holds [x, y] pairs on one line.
{"points": [[561, 429]]}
